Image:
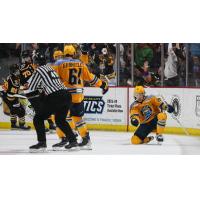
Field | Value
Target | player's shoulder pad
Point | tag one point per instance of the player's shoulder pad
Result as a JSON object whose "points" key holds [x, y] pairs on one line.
{"points": [[134, 104], [77, 60], [150, 96], [71, 60], [59, 62]]}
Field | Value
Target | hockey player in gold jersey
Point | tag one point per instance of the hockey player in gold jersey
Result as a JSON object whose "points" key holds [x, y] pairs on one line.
{"points": [[58, 54], [147, 113], [73, 74]]}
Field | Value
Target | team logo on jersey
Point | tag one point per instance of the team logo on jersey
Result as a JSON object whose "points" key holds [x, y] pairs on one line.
{"points": [[93, 104], [197, 107], [175, 102], [146, 112]]}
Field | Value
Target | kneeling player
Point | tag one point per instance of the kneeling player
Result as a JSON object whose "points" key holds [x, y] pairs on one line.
{"points": [[146, 113]]}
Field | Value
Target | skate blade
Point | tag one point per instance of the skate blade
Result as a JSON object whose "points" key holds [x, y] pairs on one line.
{"points": [[41, 150], [85, 148], [19, 129], [73, 149], [58, 148], [14, 129]]}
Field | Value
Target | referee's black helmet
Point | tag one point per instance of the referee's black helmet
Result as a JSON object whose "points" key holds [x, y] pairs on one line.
{"points": [[39, 57]]}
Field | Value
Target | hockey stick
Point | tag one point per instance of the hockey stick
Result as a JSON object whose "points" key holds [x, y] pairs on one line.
{"points": [[107, 79], [17, 96], [14, 95], [176, 119]]}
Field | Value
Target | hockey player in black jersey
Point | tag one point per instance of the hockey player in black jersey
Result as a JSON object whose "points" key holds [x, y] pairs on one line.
{"points": [[11, 90], [27, 67]]}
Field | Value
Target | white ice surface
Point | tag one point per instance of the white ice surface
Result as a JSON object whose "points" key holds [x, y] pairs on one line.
{"points": [[105, 143]]}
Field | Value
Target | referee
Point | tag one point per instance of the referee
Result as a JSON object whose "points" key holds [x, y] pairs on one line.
{"points": [[56, 101]]}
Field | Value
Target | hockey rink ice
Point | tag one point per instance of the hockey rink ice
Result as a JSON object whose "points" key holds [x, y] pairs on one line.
{"points": [[105, 143]]}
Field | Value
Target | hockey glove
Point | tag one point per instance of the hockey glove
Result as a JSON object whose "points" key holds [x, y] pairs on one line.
{"points": [[168, 108], [134, 122], [104, 87]]}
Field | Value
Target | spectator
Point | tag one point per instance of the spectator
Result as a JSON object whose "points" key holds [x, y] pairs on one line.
{"points": [[143, 52], [121, 53], [156, 60], [146, 75], [10, 53], [170, 70], [106, 67], [195, 62], [181, 65]]}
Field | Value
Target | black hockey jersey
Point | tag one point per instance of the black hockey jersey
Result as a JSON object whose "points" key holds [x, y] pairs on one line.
{"points": [[11, 85], [26, 72]]}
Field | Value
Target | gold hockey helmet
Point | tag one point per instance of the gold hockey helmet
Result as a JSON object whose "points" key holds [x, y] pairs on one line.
{"points": [[139, 90], [69, 50], [139, 93], [57, 54]]}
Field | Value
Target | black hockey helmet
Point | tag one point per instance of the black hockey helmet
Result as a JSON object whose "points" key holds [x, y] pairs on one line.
{"points": [[84, 48], [38, 57], [26, 53], [26, 56], [14, 69]]}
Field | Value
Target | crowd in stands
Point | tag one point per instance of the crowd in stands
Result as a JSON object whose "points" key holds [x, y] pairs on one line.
{"points": [[102, 60]]}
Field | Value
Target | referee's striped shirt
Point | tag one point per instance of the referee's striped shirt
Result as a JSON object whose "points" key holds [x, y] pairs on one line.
{"points": [[45, 78]]}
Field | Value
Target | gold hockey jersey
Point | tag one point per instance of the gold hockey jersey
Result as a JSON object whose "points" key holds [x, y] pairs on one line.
{"points": [[146, 110], [73, 73]]}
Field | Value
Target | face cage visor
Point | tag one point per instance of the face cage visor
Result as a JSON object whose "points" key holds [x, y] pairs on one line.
{"points": [[139, 96], [26, 60], [16, 73]]}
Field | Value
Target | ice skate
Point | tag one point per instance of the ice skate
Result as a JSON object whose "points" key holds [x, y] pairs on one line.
{"points": [[60, 145], [39, 147], [24, 127], [72, 146], [14, 127], [86, 143], [159, 138]]}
